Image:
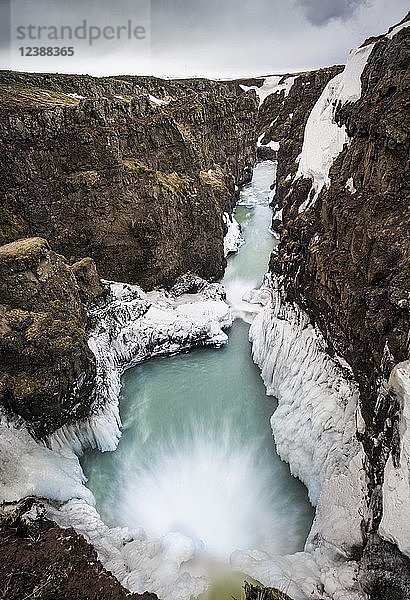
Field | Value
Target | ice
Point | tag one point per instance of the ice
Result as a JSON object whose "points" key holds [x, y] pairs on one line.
{"points": [[314, 424], [395, 524], [324, 139], [270, 86], [314, 430], [138, 562], [133, 326], [233, 239], [29, 469]]}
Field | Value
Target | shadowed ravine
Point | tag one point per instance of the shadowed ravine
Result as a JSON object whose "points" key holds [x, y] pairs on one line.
{"points": [[197, 456]]}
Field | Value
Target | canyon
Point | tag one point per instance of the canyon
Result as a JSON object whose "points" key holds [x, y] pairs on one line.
{"points": [[117, 196]]}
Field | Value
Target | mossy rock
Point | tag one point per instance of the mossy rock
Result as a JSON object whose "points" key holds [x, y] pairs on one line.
{"points": [[173, 182], [135, 165]]}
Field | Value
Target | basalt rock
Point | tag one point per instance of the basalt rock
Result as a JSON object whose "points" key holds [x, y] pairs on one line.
{"points": [[46, 369], [105, 168]]}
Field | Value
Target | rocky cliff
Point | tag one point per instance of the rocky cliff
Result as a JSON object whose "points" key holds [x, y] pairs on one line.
{"points": [[46, 370], [105, 168], [344, 254]]}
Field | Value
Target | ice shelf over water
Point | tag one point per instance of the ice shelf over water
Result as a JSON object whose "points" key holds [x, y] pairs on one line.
{"points": [[314, 429], [130, 327]]}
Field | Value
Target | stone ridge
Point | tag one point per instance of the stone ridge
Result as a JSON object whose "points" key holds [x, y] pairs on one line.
{"points": [[104, 168]]}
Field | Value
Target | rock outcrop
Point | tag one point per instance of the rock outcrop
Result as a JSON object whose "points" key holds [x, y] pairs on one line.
{"points": [[103, 168], [38, 559], [46, 370]]}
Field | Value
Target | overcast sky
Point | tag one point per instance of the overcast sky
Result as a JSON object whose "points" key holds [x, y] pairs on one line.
{"points": [[221, 38]]}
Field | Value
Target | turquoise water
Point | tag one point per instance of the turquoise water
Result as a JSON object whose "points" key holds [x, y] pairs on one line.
{"points": [[197, 454]]}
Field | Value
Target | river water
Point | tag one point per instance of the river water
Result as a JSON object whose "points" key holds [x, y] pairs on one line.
{"points": [[197, 454]]}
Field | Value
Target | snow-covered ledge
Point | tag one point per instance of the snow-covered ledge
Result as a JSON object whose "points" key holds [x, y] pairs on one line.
{"points": [[233, 239], [130, 326]]}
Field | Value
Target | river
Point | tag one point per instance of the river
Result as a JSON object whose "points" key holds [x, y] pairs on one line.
{"points": [[197, 454]]}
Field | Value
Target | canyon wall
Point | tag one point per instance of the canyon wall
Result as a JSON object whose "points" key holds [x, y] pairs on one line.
{"points": [[103, 168], [342, 211]]}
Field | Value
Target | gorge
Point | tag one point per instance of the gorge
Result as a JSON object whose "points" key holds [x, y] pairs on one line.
{"points": [[134, 180]]}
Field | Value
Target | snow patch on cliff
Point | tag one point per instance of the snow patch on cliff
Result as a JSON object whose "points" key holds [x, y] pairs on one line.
{"points": [[396, 29], [130, 327], [273, 145], [270, 86], [395, 523], [324, 138]]}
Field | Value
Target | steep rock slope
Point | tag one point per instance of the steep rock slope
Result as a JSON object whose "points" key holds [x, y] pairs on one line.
{"points": [[282, 118], [103, 168], [344, 258], [47, 371]]}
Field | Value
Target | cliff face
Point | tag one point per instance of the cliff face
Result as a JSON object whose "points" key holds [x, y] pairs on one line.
{"points": [[103, 168], [283, 118], [46, 370], [344, 257]]}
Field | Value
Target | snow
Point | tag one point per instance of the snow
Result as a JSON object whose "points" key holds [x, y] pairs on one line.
{"points": [[270, 86], [157, 101], [350, 186], [133, 326], [396, 29], [76, 96], [274, 145], [233, 239], [395, 523], [324, 139]]}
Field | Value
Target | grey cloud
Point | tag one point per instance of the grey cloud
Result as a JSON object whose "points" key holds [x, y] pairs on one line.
{"points": [[320, 13]]}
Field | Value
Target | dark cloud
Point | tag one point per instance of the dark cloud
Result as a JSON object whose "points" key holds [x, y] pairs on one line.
{"points": [[320, 13]]}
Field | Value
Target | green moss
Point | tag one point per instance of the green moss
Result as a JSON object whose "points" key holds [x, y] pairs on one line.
{"points": [[135, 165], [20, 95], [173, 182]]}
